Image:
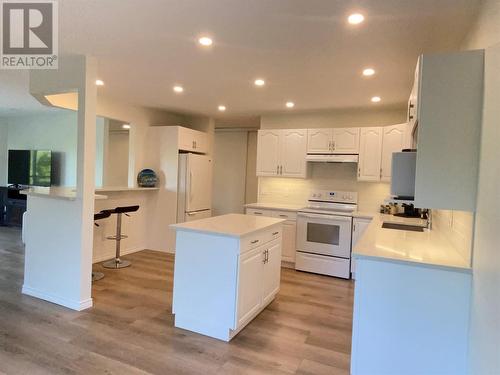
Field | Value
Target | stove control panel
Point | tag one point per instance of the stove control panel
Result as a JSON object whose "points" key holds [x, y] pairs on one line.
{"points": [[334, 196]]}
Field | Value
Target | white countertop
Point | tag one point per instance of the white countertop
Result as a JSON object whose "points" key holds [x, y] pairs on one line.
{"points": [[231, 225], [276, 206], [428, 248], [55, 192], [110, 189]]}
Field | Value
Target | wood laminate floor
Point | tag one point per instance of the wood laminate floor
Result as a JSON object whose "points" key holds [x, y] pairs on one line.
{"points": [[306, 330]]}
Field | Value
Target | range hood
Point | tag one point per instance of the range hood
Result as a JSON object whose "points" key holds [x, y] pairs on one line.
{"points": [[330, 158]]}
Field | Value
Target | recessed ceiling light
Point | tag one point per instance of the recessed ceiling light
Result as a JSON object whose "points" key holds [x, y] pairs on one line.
{"points": [[125, 126], [290, 104], [178, 89], [205, 41], [99, 82], [222, 108], [368, 72], [259, 82], [376, 99], [355, 19]]}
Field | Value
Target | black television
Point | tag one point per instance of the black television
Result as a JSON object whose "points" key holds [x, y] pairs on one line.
{"points": [[30, 167]]}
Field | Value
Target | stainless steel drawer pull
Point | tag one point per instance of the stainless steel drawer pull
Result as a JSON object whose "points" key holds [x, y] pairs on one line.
{"points": [[275, 233], [257, 213], [283, 215], [254, 241]]}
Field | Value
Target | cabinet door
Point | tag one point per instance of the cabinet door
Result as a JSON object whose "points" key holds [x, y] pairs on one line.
{"points": [[393, 141], [272, 273], [186, 139], [359, 226], [250, 284], [345, 141], [370, 154], [293, 153], [200, 142], [268, 151], [319, 141], [288, 241]]}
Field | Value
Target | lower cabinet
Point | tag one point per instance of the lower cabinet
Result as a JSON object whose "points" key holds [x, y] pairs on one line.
{"points": [[289, 230], [221, 283], [359, 226]]}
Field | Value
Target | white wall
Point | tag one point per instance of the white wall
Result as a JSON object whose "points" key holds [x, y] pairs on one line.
{"points": [[328, 176], [56, 132], [116, 168], [485, 312], [229, 177]]}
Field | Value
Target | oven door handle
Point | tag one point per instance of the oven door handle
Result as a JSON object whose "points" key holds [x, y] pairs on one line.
{"points": [[328, 217]]}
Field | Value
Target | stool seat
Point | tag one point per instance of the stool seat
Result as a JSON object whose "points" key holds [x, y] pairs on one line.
{"points": [[117, 263], [101, 215]]}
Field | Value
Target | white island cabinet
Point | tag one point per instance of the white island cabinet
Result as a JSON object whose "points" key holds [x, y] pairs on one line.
{"points": [[227, 270]]}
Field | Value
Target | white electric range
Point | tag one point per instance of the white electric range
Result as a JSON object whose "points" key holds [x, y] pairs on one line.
{"points": [[324, 232]]}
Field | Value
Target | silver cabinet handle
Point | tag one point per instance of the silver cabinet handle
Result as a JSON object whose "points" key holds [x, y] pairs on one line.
{"points": [[281, 215], [275, 233], [254, 241], [257, 213], [281, 170], [333, 146], [277, 169], [265, 258]]}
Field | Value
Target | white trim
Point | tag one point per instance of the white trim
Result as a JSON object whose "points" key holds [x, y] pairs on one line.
{"points": [[71, 304]]}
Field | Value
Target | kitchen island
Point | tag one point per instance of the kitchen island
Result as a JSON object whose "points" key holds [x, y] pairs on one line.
{"points": [[411, 302], [227, 270]]}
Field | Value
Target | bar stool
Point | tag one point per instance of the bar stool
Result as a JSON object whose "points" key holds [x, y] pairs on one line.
{"points": [[96, 276], [119, 211]]}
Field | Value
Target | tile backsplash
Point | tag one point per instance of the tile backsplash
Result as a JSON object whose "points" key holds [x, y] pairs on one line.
{"points": [[328, 176]]}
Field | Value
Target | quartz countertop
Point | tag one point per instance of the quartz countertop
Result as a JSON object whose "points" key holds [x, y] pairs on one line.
{"points": [[111, 189], [231, 225], [428, 248], [276, 206], [56, 192]]}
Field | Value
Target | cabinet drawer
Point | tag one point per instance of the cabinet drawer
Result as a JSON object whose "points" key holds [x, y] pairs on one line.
{"points": [[259, 212], [259, 239], [286, 215]]}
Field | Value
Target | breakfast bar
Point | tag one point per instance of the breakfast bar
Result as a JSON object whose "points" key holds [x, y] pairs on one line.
{"points": [[227, 270]]}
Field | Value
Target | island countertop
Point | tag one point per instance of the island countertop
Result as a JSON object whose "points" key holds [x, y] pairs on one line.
{"points": [[428, 248], [231, 225]]}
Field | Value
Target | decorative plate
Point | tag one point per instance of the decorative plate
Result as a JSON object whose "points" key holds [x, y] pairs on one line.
{"points": [[147, 178]]}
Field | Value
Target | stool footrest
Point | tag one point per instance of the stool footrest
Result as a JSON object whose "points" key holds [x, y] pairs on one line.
{"points": [[114, 238]]}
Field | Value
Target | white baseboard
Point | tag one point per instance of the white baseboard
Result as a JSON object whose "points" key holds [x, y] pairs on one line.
{"points": [[71, 304]]}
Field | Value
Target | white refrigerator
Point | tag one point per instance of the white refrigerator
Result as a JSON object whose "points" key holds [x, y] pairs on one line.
{"points": [[194, 199]]}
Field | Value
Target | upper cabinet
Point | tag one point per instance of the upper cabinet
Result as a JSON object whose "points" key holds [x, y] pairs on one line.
{"points": [[394, 139], [449, 110], [333, 141], [319, 141], [192, 140], [370, 154], [282, 153]]}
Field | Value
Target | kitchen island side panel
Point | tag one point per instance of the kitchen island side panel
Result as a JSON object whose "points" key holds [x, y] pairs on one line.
{"points": [[205, 280]]}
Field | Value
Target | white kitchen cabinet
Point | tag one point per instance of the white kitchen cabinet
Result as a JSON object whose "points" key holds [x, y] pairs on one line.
{"points": [[192, 140], [293, 152], [250, 284], [333, 141], [289, 230], [394, 138], [449, 119], [271, 272], [359, 226], [345, 141], [289, 243], [282, 153], [268, 152], [227, 270], [370, 154], [319, 141]]}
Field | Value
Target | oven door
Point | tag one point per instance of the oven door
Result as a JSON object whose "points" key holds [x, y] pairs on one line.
{"points": [[324, 234]]}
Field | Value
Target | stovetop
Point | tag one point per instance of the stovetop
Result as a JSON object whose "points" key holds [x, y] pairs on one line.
{"points": [[332, 202]]}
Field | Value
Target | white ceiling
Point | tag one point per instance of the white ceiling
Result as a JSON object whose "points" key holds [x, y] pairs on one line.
{"points": [[303, 48]]}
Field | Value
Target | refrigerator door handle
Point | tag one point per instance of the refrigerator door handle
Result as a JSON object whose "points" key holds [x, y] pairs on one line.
{"points": [[190, 187]]}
